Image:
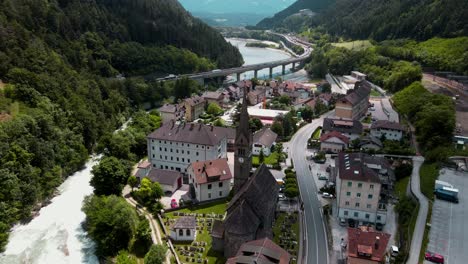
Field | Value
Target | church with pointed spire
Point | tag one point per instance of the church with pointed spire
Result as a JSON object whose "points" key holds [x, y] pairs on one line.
{"points": [[251, 212], [243, 149]]}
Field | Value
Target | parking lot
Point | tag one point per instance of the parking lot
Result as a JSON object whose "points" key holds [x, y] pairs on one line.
{"points": [[448, 235]]}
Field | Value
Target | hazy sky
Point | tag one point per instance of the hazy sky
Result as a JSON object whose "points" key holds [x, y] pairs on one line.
{"points": [[267, 7]]}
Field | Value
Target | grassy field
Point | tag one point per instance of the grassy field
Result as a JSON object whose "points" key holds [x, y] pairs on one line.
{"points": [[272, 159], [375, 93], [316, 134], [354, 45], [203, 235], [428, 174], [401, 186]]}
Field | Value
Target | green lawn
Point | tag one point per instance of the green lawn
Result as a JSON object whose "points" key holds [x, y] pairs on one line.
{"points": [[401, 186], [375, 93], [428, 174], [367, 120], [316, 134], [203, 235], [272, 159], [293, 230], [354, 45]]}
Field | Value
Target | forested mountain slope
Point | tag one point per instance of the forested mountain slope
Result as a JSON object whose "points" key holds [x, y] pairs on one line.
{"points": [[278, 20], [56, 97], [392, 19]]}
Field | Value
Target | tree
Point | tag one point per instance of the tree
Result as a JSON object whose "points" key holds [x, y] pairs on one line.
{"points": [[219, 123], [132, 181], [142, 240], [123, 257], [213, 109], [326, 88], [261, 156], [307, 113], [111, 222], [156, 254], [255, 124], [291, 192], [277, 127], [284, 99], [109, 176], [149, 192], [403, 170]]}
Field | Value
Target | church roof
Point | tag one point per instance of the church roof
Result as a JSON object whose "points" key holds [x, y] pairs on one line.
{"points": [[254, 201], [260, 251]]}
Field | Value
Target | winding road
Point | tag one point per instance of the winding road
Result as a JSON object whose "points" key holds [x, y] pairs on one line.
{"points": [[315, 240]]}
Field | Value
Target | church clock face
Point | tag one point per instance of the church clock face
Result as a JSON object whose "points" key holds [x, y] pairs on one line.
{"points": [[241, 159]]}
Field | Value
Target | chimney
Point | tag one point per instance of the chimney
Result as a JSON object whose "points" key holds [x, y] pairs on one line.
{"points": [[377, 240]]}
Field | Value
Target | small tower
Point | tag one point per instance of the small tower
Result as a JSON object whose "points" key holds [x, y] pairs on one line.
{"points": [[243, 148]]}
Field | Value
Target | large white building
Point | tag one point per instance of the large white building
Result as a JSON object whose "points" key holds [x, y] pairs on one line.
{"points": [[210, 179], [175, 146], [358, 190]]}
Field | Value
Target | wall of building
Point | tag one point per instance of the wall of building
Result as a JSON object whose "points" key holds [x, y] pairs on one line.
{"points": [[256, 148], [332, 146], [389, 133], [175, 235], [204, 193], [359, 192], [170, 155], [343, 110], [167, 116]]}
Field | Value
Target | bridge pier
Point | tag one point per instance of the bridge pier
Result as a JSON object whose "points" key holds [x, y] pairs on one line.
{"points": [[283, 69], [271, 72], [238, 76], [255, 74]]}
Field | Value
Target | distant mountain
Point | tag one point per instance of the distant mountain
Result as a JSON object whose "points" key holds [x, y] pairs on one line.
{"points": [[264, 7], [279, 18], [384, 19]]}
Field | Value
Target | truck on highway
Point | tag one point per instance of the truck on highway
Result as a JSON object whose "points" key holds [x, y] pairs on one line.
{"points": [[447, 193]]}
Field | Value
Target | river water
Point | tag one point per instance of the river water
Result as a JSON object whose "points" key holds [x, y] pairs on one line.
{"points": [[56, 235], [253, 55]]}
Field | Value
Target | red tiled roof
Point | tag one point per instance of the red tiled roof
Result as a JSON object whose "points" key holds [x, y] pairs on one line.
{"points": [[336, 134], [211, 170], [367, 244]]}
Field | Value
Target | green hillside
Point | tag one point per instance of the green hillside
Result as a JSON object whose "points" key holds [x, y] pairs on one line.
{"points": [[283, 19], [57, 97]]}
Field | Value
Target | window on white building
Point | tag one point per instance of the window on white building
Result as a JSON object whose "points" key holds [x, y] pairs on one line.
{"points": [[220, 193], [209, 195], [358, 194], [346, 203], [181, 232], [379, 217], [367, 216], [345, 212], [209, 186], [356, 214], [357, 204], [187, 232], [359, 185], [350, 184], [369, 196], [371, 186], [348, 193], [220, 184], [369, 206]]}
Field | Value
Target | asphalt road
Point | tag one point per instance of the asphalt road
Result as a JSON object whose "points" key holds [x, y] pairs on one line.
{"points": [[315, 239], [422, 214]]}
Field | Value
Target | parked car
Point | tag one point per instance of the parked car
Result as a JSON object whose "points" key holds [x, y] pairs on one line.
{"points": [[173, 203], [371, 109], [379, 226], [394, 251], [351, 223], [281, 197], [342, 222], [327, 195], [434, 257], [322, 177]]}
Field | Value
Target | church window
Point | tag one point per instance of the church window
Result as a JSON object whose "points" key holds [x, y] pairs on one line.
{"points": [[181, 232], [187, 232]]}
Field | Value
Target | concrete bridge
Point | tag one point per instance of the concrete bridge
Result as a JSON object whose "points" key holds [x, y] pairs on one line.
{"points": [[219, 74]]}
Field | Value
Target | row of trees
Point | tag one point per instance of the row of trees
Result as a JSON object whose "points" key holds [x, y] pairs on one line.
{"points": [[433, 116]]}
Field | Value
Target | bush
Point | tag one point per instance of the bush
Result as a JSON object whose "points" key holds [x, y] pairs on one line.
{"points": [[403, 170]]}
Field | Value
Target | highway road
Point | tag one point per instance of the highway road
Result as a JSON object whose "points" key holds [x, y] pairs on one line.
{"points": [[315, 240]]}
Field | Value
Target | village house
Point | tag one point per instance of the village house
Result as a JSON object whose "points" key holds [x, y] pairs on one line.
{"points": [[358, 190], [260, 251], [257, 95], [184, 229], [267, 116], [366, 246], [298, 103], [333, 142], [175, 146], [326, 98], [213, 97], [349, 128], [170, 181], [358, 75], [390, 130], [354, 105], [194, 107], [210, 179], [370, 143], [264, 139], [171, 112]]}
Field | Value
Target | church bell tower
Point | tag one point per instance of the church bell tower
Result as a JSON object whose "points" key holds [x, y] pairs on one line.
{"points": [[243, 148]]}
